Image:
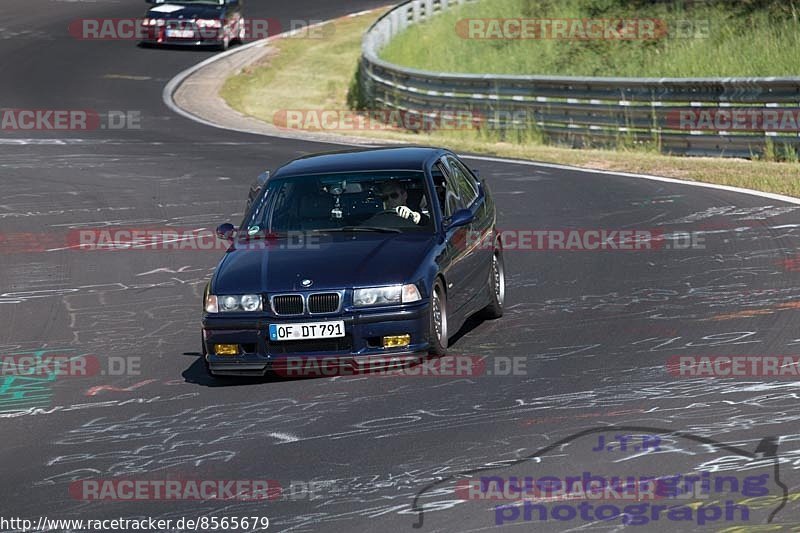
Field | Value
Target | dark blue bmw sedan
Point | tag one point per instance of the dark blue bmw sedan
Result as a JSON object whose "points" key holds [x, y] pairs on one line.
{"points": [[368, 256]]}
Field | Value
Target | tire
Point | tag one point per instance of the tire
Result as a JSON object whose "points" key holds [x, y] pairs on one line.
{"points": [[497, 287], [225, 43], [205, 354], [438, 320]]}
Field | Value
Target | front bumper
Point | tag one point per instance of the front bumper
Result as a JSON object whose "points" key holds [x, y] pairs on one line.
{"points": [[357, 352], [201, 37]]}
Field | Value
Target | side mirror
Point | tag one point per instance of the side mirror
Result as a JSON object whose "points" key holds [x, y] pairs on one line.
{"points": [[462, 217], [226, 231], [476, 172]]}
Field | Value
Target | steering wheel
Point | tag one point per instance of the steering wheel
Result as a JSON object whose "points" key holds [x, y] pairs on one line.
{"points": [[395, 218]]}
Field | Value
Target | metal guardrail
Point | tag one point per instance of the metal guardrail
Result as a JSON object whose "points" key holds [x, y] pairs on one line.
{"points": [[584, 111]]}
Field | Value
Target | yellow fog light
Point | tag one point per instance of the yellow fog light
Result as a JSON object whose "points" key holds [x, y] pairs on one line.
{"points": [[396, 341], [226, 349]]}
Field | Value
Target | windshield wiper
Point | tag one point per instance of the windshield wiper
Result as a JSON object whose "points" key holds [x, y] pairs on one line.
{"points": [[359, 228]]}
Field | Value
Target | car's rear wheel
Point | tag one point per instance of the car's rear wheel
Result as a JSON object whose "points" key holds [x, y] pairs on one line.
{"points": [[497, 287], [438, 320]]}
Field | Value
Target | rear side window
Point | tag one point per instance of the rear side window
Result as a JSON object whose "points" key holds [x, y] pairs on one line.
{"points": [[441, 185], [462, 181], [449, 195]]}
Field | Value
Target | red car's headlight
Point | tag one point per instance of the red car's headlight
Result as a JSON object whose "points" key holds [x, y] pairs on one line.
{"points": [[208, 23]]}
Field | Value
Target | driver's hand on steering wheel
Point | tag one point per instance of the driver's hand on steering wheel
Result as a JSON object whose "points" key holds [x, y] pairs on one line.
{"points": [[404, 212]]}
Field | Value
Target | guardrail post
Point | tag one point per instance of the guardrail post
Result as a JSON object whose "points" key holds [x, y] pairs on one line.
{"points": [[416, 11], [429, 12]]}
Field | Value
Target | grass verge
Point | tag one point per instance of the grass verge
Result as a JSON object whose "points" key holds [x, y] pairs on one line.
{"points": [[693, 39], [314, 74]]}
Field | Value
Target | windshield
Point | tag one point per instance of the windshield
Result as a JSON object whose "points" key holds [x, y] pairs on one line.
{"points": [[388, 202], [205, 2]]}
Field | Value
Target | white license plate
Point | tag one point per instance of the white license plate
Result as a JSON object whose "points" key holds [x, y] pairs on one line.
{"points": [[306, 330], [180, 34]]}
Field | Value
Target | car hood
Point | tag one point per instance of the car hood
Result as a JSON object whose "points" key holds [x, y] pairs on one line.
{"points": [[187, 12], [336, 262]]}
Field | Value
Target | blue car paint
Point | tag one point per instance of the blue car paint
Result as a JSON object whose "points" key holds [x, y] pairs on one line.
{"points": [[357, 260]]}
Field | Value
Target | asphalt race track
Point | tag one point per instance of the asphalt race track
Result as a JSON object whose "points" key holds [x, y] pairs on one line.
{"points": [[594, 330]]}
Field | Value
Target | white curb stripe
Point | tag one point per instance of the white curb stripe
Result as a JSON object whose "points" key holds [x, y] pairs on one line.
{"points": [[771, 196]]}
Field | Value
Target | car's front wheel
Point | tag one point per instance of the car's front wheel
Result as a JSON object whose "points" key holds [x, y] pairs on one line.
{"points": [[497, 287], [438, 320], [225, 43], [205, 356]]}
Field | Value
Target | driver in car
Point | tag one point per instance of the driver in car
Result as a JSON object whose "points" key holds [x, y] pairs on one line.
{"points": [[394, 197]]}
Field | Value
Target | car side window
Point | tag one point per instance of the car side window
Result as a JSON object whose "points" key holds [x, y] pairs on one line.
{"points": [[462, 182], [471, 179], [278, 208], [449, 195]]}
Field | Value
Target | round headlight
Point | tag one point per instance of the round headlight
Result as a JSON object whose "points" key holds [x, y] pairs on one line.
{"points": [[251, 302], [391, 294], [369, 297], [229, 303]]}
